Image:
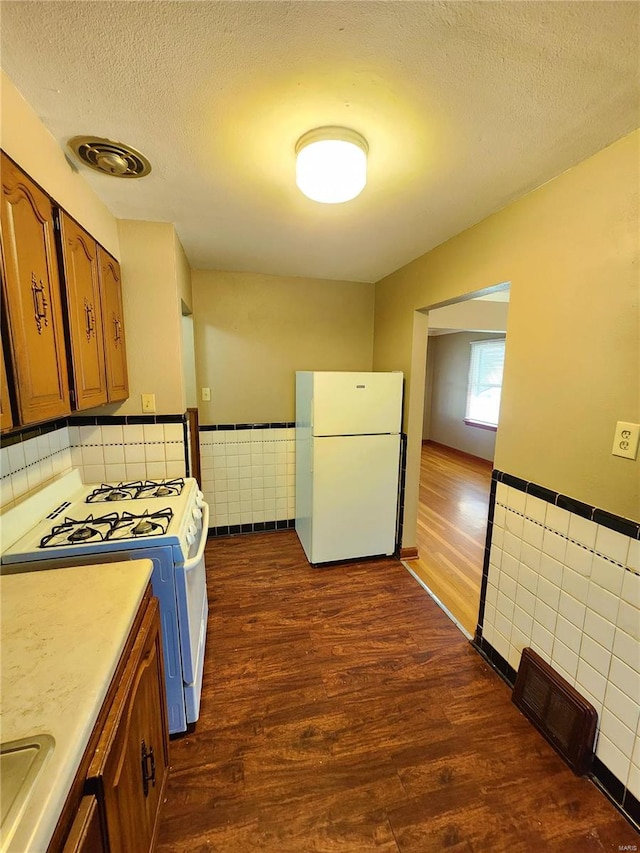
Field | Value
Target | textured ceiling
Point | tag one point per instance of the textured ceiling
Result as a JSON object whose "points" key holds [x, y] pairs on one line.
{"points": [[466, 106]]}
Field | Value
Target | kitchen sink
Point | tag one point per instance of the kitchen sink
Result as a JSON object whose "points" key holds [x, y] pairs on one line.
{"points": [[20, 763]]}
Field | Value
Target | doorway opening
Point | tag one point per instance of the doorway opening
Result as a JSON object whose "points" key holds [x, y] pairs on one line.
{"points": [[463, 376]]}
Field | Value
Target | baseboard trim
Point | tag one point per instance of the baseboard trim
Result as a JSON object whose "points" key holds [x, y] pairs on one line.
{"points": [[457, 452], [408, 553]]}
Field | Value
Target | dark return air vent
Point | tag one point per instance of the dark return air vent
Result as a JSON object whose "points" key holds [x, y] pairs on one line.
{"points": [[557, 710]]}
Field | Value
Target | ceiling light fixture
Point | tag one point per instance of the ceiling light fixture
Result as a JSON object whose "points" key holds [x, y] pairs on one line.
{"points": [[331, 164]]}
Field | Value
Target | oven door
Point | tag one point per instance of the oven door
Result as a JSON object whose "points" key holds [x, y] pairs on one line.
{"points": [[193, 609]]}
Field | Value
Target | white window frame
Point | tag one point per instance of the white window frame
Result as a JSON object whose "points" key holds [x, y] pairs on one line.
{"points": [[475, 380]]}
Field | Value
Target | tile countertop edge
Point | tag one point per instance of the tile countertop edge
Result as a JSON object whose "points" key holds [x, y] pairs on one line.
{"points": [[62, 634]]}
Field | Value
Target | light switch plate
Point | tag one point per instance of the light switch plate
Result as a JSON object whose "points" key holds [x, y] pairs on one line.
{"points": [[148, 403], [206, 394], [625, 442]]}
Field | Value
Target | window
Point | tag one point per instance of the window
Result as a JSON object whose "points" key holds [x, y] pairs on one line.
{"points": [[485, 383]]}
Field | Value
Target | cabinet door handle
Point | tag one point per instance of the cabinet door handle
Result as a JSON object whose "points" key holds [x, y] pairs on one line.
{"points": [[40, 303], [117, 330], [90, 319], [148, 768]]}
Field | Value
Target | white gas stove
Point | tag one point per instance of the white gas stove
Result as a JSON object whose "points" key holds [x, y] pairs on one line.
{"points": [[70, 523]]}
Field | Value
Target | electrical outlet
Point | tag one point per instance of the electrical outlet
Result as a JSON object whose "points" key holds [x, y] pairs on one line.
{"points": [[148, 403], [206, 395], [625, 442]]}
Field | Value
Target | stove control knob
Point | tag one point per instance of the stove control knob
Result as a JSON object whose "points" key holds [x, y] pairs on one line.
{"points": [[199, 498], [196, 512], [191, 534]]}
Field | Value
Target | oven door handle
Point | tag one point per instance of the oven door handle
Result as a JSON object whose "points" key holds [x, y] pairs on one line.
{"points": [[193, 562]]}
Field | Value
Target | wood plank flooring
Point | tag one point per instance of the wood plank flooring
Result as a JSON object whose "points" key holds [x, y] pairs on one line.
{"points": [[452, 526], [343, 712]]}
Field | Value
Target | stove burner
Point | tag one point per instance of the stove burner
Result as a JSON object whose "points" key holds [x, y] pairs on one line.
{"points": [[147, 524], [121, 492], [75, 531], [80, 534], [143, 527], [160, 488], [117, 495]]}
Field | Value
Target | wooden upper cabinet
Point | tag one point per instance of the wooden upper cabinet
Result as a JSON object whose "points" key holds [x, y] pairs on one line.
{"points": [[6, 417], [32, 298], [82, 288], [115, 349]]}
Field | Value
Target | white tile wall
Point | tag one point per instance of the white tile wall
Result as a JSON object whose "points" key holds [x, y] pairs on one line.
{"points": [[570, 589], [248, 475], [111, 453], [28, 465], [115, 453]]}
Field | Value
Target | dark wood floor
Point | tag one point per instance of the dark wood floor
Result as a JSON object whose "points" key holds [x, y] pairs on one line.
{"points": [[452, 526], [343, 712]]}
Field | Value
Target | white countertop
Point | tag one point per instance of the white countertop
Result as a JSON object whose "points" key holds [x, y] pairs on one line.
{"points": [[62, 633]]}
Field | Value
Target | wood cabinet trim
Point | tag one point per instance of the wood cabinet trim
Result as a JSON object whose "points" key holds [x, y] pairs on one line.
{"points": [[87, 832]]}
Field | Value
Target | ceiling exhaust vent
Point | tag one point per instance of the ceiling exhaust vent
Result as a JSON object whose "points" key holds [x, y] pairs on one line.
{"points": [[110, 158], [557, 710]]}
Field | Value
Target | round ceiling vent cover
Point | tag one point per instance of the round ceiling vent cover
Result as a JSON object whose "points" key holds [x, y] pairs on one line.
{"points": [[110, 158]]}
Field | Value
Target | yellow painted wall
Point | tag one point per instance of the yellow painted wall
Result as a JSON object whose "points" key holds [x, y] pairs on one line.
{"points": [[27, 141], [254, 331], [571, 251], [152, 316], [183, 274]]}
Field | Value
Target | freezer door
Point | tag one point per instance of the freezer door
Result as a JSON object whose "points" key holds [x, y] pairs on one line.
{"points": [[356, 403], [355, 496]]}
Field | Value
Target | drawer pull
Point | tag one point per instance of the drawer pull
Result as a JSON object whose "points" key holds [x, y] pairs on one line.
{"points": [[148, 768]]}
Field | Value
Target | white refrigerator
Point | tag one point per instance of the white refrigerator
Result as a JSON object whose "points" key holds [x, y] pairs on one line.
{"points": [[347, 463]]}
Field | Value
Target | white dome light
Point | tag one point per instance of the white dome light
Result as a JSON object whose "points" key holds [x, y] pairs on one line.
{"points": [[331, 164]]}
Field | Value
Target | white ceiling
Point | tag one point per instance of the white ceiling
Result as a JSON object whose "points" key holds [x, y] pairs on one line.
{"points": [[465, 105]]}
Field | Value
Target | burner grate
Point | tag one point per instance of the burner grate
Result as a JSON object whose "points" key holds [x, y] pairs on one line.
{"points": [[139, 526], [126, 525], [74, 531], [136, 490]]}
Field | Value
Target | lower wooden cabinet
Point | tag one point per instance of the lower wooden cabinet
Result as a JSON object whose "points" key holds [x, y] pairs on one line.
{"points": [[129, 770], [114, 805]]}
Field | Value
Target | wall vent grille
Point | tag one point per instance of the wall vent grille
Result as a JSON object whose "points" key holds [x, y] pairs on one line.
{"points": [[557, 710]]}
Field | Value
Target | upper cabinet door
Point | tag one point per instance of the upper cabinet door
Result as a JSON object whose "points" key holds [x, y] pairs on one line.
{"points": [[82, 287], [115, 349], [33, 304]]}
